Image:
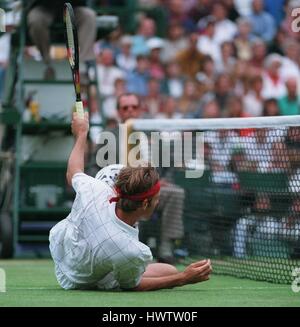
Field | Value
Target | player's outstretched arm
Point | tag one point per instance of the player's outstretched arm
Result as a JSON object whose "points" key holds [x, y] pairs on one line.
{"points": [[195, 273], [80, 128]]}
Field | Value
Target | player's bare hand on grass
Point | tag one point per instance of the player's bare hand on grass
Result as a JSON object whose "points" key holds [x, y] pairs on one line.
{"points": [[198, 272], [80, 127]]}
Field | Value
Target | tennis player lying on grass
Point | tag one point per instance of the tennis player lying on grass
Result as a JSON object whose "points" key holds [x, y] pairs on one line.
{"points": [[97, 245]]}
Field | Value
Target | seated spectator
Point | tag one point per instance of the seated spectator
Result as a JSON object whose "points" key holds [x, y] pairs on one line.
{"points": [[233, 13], [259, 52], [178, 12], [256, 226], [137, 81], [270, 108], [290, 61], [153, 101], [41, 16], [207, 43], [169, 109], [243, 39], [210, 109], [156, 68], [291, 228], [107, 72], [223, 89], [176, 41], [190, 60], [125, 60], [146, 30], [290, 103], [276, 9], [109, 104], [234, 107], [172, 85], [189, 104], [201, 9], [273, 84], [225, 29], [207, 77], [227, 61], [253, 100], [263, 24]]}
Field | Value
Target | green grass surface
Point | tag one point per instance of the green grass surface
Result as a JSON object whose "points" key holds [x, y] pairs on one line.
{"points": [[32, 283]]}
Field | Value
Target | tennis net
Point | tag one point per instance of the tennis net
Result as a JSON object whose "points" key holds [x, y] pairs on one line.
{"points": [[244, 212]]}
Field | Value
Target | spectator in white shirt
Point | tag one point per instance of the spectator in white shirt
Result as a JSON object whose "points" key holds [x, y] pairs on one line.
{"points": [[107, 72], [125, 60]]}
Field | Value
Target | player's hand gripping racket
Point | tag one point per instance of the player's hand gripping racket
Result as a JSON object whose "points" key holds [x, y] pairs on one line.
{"points": [[73, 53]]}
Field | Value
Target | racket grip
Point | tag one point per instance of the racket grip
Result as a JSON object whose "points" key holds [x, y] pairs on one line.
{"points": [[79, 109]]}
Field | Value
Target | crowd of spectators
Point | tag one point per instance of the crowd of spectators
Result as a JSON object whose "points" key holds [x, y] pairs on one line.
{"points": [[216, 56]]}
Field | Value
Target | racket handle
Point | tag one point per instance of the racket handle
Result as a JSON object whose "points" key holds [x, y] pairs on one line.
{"points": [[79, 109]]}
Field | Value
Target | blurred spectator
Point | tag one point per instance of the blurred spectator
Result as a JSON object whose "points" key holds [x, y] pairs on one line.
{"points": [[234, 107], [207, 77], [270, 107], [175, 42], [233, 14], [290, 62], [244, 7], [263, 24], [273, 84], [277, 43], [253, 100], [109, 104], [227, 61], [189, 104], [258, 221], [211, 109], [107, 72], [225, 29], [223, 89], [41, 16], [125, 60], [259, 52], [291, 228], [190, 60], [156, 68], [137, 81], [207, 43], [153, 100], [276, 9], [290, 103], [169, 109], [178, 12], [173, 83], [201, 9], [147, 30], [243, 39]]}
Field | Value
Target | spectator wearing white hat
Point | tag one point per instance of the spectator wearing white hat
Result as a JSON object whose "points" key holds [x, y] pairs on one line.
{"points": [[156, 68], [273, 83], [125, 60]]}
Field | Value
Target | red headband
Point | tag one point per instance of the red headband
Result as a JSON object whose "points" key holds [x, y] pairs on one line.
{"points": [[137, 197]]}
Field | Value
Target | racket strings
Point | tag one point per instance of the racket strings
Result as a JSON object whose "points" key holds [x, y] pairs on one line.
{"points": [[70, 38]]}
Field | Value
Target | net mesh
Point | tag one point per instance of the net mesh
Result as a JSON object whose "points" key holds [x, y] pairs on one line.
{"points": [[243, 213]]}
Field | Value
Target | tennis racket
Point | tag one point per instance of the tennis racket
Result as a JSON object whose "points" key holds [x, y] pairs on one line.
{"points": [[73, 53]]}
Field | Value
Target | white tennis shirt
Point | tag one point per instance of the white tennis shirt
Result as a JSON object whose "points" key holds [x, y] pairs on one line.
{"points": [[92, 247]]}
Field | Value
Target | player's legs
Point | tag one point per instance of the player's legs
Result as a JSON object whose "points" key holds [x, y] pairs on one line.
{"points": [[159, 270], [86, 20]]}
